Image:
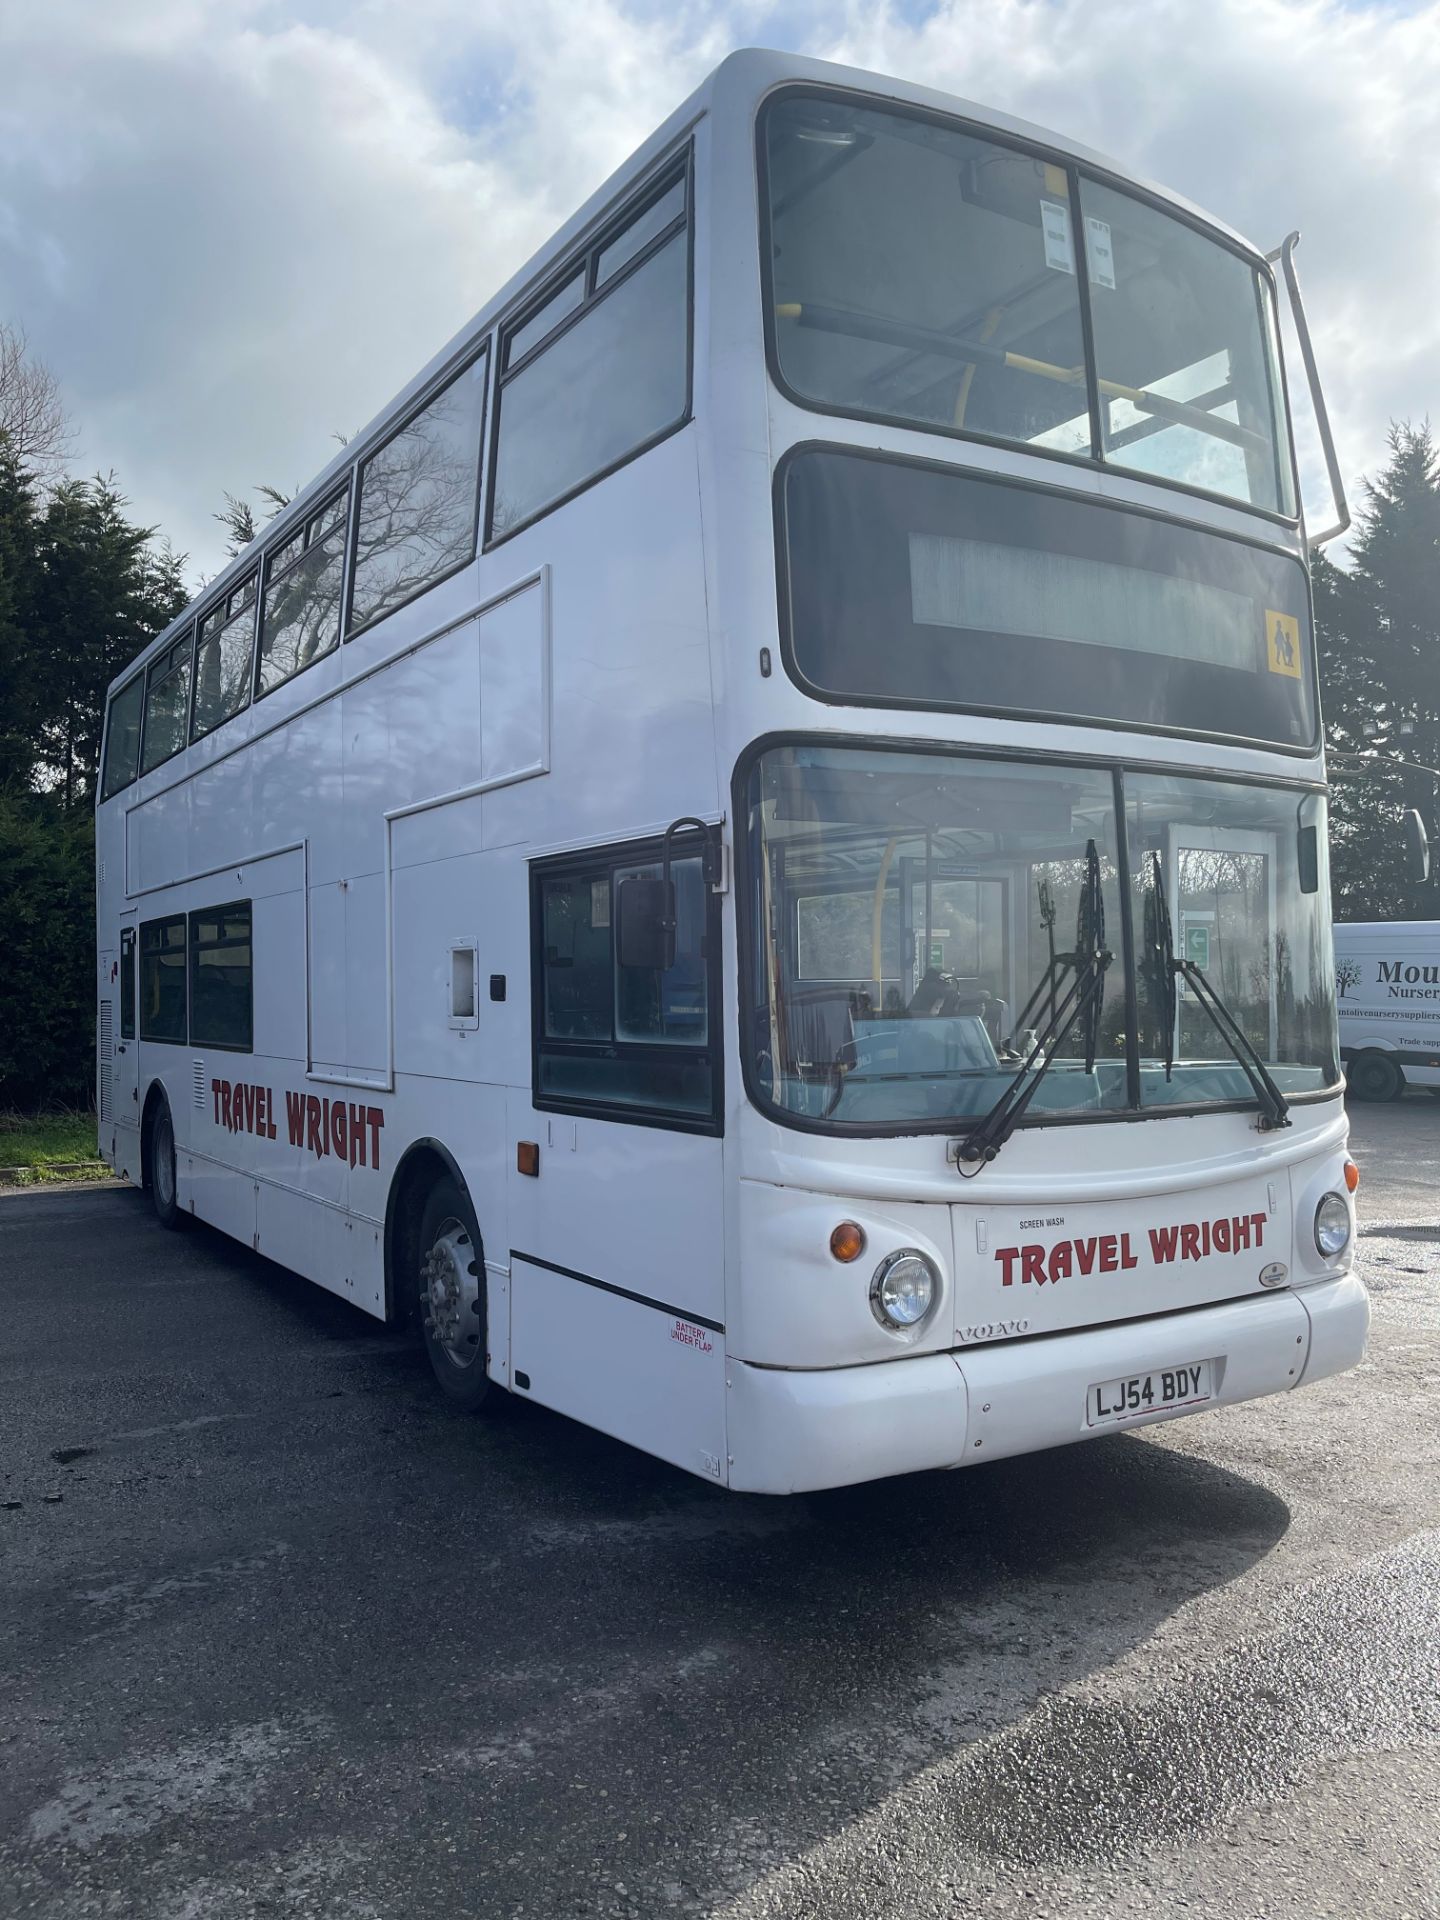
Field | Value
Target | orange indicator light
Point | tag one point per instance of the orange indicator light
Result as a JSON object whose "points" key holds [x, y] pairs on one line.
{"points": [[1352, 1176], [847, 1242]]}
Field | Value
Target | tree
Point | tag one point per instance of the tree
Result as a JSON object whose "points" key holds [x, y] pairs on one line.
{"points": [[47, 985], [104, 588], [238, 517], [19, 697], [1378, 626], [33, 420]]}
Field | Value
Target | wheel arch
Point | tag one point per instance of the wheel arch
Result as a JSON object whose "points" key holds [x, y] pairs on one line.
{"points": [[155, 1098], [423, 1162]]}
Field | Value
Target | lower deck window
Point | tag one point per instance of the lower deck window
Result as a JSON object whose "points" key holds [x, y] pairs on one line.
{"points": [[221, 977], [162, 980], [636, 1041]]}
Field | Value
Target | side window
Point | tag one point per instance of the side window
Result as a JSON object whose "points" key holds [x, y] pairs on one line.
{"points": [[670, 1007], [589, 381], [300, 620], [122, 737], [162, 979], [167, 703], [632, 1042], [221, 978], [222, 657], [127, 983], [419, 500], [544, 319]]}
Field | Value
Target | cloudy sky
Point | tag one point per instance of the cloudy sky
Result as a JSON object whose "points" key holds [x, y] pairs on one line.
{"points": [[234, 227]]}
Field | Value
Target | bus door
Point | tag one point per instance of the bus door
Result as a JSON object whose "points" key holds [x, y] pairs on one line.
{"points": [[126, 1085], [617, 1310], [115, 1090], [1221, 883]]}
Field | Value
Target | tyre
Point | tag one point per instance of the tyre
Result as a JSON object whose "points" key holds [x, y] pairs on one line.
{"points": [[450, 1281], [162, 1168], [1374, 1076]]}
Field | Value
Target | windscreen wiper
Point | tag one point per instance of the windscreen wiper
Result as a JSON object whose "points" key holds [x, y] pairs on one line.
{"points": [[1172, 967], [1080, 1006]]}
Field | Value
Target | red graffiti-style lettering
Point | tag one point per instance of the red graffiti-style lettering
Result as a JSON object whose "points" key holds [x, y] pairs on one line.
{"points": [[350, 1131], [1115, 1252], [1162, 1244]]}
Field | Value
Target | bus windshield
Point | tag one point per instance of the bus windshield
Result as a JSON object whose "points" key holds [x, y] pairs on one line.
{"points": [[922, 274], [917, 917]]}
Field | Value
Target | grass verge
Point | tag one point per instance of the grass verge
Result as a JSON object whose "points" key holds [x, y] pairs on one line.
{"points": [[39, 1148]]}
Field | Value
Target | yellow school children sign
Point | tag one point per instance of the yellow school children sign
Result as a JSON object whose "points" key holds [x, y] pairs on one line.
{"points": [[1282, 643]]}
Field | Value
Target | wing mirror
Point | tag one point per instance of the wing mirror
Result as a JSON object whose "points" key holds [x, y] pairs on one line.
{"points": [[1307, 859], [645, 933], [1416, 843]]}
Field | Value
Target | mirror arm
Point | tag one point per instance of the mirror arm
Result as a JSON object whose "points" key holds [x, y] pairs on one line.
{"points": [[1285, 254], [710, 866]]}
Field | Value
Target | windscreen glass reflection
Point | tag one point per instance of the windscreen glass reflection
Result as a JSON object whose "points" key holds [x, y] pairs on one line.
{"points": [[916, 920], [913, 907]]}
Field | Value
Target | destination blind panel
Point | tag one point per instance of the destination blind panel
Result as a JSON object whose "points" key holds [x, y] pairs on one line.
{"points": [[908, 584]]}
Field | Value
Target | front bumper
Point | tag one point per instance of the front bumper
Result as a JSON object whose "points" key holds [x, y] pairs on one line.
{"points": [[793, 1431]]}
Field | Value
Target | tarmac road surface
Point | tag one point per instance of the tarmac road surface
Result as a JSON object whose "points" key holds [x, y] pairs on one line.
{"points": [[284, 1636]]}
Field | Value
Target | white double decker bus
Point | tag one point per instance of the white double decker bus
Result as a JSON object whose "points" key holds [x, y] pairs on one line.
{"points": [[753, 851]]}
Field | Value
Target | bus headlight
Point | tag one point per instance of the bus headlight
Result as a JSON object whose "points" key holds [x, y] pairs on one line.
{"points": [[904, 1289], [1332, 1225]]}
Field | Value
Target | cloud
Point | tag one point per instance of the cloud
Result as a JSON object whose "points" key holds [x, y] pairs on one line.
{"points": [[235, 229]]}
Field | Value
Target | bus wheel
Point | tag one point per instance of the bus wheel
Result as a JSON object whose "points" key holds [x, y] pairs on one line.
{"points": [[1375, 1076], [162, 1168], [452, 1295]]}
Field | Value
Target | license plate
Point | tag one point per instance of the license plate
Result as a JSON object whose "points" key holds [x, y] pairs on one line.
{"points": [[1163, 1390]]}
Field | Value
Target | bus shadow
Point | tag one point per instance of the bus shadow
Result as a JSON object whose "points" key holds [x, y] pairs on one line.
{"points": [[762, 1675], [748, 1678]]}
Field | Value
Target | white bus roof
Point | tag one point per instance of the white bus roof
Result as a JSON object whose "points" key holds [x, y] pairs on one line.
{"points": [[1386, 926], [743, 77]]}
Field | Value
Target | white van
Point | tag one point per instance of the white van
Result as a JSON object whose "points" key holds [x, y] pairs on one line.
{"points": [[1387, 978]]}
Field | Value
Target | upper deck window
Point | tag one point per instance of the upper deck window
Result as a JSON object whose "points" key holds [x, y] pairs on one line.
{"points": [[300, 618], [167, 703], [419, 500], [1185, 354], [921, 273], [122, 737], [222, 658], [599, 370]]}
